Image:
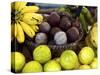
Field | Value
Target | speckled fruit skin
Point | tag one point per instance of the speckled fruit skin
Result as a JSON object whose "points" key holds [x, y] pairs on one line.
{"points": [[51, 66], [17, 61], [68, 59], [84, 67], [42, 53], [86, 55], [32, 66]]}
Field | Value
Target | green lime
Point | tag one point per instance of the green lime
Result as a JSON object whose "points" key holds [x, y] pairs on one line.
{"points": [[86, 55], [77, 65], [94, 63], [51, 66], [42, 53], [17, 61], [57, 59], [68, 59], [32, 66], [84, 67]]}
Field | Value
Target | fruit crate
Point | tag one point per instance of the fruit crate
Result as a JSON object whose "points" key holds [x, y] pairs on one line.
{"points": [[53, 37]]}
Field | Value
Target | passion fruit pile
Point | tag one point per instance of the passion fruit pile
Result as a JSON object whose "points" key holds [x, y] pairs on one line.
{"points": [[62, 42]]}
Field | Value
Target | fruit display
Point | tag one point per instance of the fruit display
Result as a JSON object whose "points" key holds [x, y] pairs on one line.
{"points": [[50, 37]]}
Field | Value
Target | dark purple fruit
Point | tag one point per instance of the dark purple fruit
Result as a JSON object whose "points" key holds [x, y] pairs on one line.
{"points": [[54, 30], [44, 27], [54, 19], [65, 23], [76, 23], [41, 38], [72, 34]]}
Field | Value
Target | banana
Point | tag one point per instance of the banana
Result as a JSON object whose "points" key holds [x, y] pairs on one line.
{"points": [[32, 18], [19, 5], [20, 33], [94, 35], [30, 9], [35, 28], [15, 30], [27, 29]]}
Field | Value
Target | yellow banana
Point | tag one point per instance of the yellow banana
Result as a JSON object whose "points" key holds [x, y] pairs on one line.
{"points": [[30, 9], [32, 18], [35, 28], [22, 5], [94, 35], [17, 5], [15, 30], [20, 33], [27, 29]]}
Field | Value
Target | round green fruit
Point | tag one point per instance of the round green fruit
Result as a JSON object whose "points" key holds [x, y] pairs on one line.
{"points": [[68, 59], [57, 59], [42, 54], [94, 63], [17, 61], [32, 66], [86, 55], [51, 66], [84, 67]]}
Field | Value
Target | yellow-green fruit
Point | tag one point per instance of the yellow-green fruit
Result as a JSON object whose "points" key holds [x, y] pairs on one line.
{"points": [[32, 66], [84, 67], [94, 63], [51, 66], [94, 35], [42, 53], [17, 61], [57, 59], [86, 55], [68, 59], [77, 65]]}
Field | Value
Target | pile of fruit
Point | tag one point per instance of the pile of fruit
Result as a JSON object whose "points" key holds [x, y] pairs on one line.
{"points": [[53, 39]]}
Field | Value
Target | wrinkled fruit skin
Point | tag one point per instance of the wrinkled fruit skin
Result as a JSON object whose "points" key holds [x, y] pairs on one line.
{"points": [[86, 55], [42, 53], [68, 59], [51, 66], [32, 66], [17, 61]]}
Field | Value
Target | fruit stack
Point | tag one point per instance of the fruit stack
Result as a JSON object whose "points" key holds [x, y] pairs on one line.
{"points": [[54, 39]]}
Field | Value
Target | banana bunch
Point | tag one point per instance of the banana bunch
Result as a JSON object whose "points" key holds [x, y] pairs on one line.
{"points": [[92, 37], [24, 20]]}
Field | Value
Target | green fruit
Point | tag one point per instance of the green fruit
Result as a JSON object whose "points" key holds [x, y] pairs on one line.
{"points": [[86, 55], [94, 63], [84, 67], [51, 66], [68, 59], [77, 65], [32, 66], [42, 54], [17, 61], [57, 59]]}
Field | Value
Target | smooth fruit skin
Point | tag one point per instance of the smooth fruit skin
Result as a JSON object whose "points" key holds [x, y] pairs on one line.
{"points": [[68, 59], [17, 61], [42, 53], [86, 55], [84, 67], [94, 63], [32, 66], [51, 66]]}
